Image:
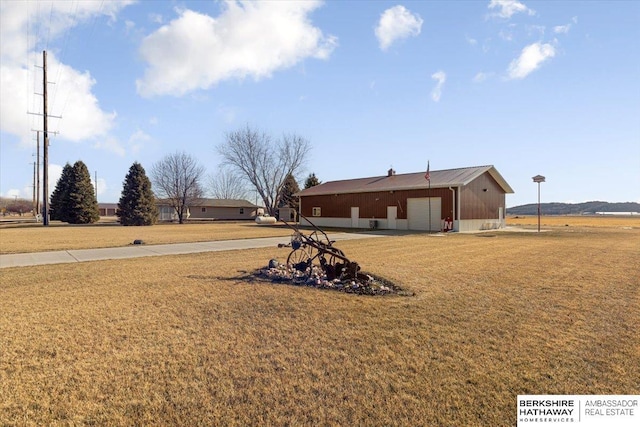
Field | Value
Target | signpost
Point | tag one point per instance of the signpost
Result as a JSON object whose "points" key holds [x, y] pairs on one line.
{"points": [[538, 179]]}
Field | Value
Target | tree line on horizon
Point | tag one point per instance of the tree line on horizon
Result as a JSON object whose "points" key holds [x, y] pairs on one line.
{"points": [[250, 157], [557, 208]]}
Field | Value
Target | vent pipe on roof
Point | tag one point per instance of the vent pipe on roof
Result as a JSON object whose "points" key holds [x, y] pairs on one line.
{"points": [[391, 172]]}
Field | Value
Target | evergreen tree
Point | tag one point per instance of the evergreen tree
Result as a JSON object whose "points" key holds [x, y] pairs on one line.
{"points": [[58, 205], [311, 181], [137, 205], [289, 188], [82, 203]]}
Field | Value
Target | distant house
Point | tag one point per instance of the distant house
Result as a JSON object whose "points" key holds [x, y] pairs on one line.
{"points": [[213, 209], [464, 199], [107, 209]]}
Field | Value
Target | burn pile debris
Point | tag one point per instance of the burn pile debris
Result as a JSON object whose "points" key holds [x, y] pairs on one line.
{"points": [[363, 284], [314, 261]]}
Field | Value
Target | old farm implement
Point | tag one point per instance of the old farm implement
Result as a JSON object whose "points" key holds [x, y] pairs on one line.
{"points": [[314, 254]]}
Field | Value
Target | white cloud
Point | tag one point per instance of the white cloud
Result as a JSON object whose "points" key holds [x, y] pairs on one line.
{"points": [[506, 35], [14, 192], [564, 29], [72, 96], [110, 144], [440, 77], [129, 26], [156, 18], [102, 185], [536, 30], [55, 172], [481, 77], [249, 39], [395, 24], [530, 59], [508, 8], [14, 102], [82, 117], [137, 141], [48, 19]]}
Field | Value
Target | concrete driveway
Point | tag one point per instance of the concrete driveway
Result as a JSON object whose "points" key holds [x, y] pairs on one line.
{"points": [[134, 251]]}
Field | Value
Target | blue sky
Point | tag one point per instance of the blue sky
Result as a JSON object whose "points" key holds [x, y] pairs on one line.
{"points": [[530, 87]]}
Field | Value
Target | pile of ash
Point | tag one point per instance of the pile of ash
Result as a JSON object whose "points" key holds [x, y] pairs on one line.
{"points": [[365, 284]]}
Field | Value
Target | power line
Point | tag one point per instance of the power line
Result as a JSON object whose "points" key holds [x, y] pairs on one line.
{"points": [[64, 51], [86, 42], [46, 46], [27, 93]]}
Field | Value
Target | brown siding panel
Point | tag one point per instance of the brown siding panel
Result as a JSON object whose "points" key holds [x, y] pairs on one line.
{"points": [[476, 203], [479, 204], [480, 191], [373, 205]]}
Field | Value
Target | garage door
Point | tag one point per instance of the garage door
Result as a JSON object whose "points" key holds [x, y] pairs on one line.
{"points": [[418, 213]]}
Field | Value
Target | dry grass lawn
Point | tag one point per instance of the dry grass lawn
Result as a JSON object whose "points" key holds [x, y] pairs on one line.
{"points": [[576, 221], [183, 340], [60, 236]]}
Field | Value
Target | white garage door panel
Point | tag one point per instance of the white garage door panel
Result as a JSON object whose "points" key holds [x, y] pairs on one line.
{"points": [[418, 213]]}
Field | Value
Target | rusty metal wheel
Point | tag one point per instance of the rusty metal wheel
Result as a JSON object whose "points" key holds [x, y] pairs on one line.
{"points": [[299, 261]]}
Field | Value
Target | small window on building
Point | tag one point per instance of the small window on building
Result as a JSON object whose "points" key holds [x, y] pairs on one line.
{"points": [[316, 212], [241, 211], [204, 209]]}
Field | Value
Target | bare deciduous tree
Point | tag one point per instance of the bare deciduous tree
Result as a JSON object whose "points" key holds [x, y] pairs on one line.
{"points": [[176, 178], [264, 163], [227, 185]]}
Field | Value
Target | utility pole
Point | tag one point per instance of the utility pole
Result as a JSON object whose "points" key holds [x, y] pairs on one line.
{"points": [[45, 144], [33, 201], [38, 173], [45, 154]]}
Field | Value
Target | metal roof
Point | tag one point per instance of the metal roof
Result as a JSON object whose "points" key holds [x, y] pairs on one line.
{"points": [[409, 181], [217, 203], [226, 203]]}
